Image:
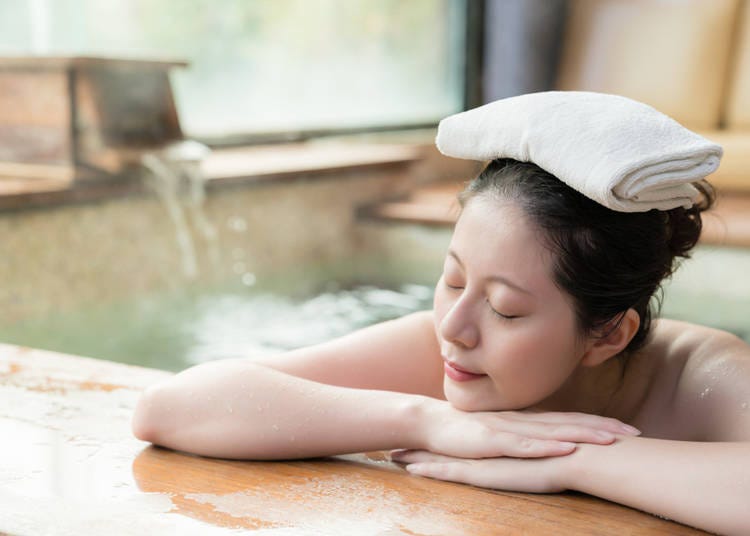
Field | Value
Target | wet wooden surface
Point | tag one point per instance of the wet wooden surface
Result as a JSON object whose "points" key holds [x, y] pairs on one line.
{"points": [[71, 466]]}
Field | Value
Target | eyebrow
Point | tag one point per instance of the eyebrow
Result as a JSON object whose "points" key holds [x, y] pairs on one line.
{"points": [[497, 278]]}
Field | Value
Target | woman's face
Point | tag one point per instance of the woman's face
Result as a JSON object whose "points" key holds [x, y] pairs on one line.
{"points": [[507, 334]]}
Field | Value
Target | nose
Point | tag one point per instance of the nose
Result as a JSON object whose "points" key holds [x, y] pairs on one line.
{"points": [[458, 326]]}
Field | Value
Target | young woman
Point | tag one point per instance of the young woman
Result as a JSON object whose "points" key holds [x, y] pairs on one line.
{"points": [[538, 370]]}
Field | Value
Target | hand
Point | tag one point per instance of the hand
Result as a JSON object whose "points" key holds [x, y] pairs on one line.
{"points": [[542, 475], [518, 434]]}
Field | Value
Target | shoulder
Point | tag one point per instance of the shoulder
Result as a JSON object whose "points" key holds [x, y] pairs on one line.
{"points": [[697, 349], [706, 373], [682, 341]]}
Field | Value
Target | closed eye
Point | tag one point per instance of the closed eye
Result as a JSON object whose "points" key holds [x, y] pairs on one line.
{"points": [[453, 287], [499, 314]]}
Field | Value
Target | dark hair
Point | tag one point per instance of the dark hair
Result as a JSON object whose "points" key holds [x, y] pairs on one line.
{"points": [[606, 261]]}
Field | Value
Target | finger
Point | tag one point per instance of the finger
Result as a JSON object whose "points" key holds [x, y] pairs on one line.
{"points": [[560, 432], [581, 419], [451, 471], [499, 473], [498, 444], [522, 446]]}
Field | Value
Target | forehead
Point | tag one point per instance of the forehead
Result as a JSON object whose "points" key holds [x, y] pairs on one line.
{"points": [[495, 237]]}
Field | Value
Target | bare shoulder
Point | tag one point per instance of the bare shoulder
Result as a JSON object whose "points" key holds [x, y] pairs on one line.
{"points": [[707, 374], [684, 340], [397, 355]]}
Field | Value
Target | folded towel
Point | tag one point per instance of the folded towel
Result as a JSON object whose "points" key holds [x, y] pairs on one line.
{"points": [[617, 151]]}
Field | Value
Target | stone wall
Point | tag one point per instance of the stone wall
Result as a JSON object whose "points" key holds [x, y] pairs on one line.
{"points": [[59, 258]]}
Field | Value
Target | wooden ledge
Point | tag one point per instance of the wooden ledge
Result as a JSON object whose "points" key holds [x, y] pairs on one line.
{"points": [[70, 463], [727, 224], [12, 187], [258, 164], [65, 62], [278, 161]]}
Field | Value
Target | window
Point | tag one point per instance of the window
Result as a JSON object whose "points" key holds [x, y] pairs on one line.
{"points": [[260, 66]]}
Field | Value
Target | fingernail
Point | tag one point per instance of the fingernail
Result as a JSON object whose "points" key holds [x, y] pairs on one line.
{"points": [[606, 436], [414, 467], [630, 429], [566, 445]]}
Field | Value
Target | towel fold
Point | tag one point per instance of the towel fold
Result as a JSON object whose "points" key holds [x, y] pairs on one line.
{"points": [[619, 152]]}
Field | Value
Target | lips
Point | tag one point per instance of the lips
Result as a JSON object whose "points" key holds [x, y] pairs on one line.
{"points": [[456, 373]]}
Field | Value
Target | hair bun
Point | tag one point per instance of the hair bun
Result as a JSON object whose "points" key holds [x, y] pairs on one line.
{"points": [[684, 225]]}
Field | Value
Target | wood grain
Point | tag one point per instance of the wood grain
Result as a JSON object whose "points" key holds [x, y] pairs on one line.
{"points": [[66, 420]]}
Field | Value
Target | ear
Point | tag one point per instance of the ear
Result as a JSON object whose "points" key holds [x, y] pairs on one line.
{"points": [[599, 350]]}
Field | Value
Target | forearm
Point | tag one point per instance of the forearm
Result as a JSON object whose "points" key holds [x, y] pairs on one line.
{"points": [[706, 485], [234, 410]]}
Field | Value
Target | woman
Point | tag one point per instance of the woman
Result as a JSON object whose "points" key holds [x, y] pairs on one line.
{"points": [[538, 370]]}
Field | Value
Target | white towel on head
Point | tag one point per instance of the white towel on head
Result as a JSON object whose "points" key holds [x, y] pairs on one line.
{"points": [[617, 151]]}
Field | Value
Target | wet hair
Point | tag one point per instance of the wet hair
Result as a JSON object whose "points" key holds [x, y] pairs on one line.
{"points": [[606, 261]]}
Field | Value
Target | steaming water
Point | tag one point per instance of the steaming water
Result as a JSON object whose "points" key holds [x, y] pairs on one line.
{"points": [[174, 331], [246, 317]]}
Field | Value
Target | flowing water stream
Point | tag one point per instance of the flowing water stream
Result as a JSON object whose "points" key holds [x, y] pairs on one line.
{"points": [[174, 174]]}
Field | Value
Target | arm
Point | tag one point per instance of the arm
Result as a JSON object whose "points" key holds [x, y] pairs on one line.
{"points": [[702, 484], [368, 391], [234, 409], [331, 398], [705, 485], [400, 355]]}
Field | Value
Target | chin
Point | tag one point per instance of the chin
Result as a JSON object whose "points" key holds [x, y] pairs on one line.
{"points": [[467, 399], [470, 400]]}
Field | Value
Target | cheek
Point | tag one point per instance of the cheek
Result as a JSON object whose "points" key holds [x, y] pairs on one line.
{"points": [[546, 362], [535, 363]]}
